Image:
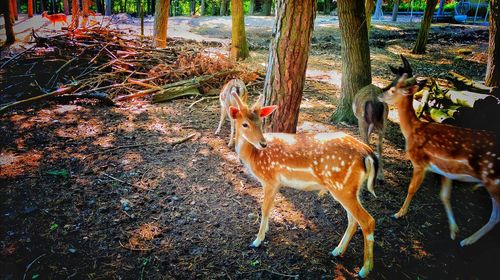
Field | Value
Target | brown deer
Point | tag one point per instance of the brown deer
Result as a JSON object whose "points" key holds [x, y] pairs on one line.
{"points": [[226, 100], [54, 18], [333, 162], [372, 113], [454, 153]]}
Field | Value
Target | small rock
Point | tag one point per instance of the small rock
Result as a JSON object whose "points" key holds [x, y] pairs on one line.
{"points": [[126, 205], [72, 250], [252, 216]]}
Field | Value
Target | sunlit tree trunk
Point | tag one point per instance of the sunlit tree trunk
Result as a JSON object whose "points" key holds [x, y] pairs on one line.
{"points": [[266, 7], [161, 24], [85, 12], [109, 7], [355, 52], [13, 9], [395, 10], [223, 7], [286, 70], [378, 11], [75, 14], [239, 46], [441, 6], [369, 6], [423, 33], [30, 8], [493, 70], [9, 22], [66, 7]]}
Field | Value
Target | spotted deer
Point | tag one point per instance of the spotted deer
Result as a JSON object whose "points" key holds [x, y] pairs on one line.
{"points": [[454, 153], [226, 100], [333, 162], [54, 18], [372, 113]]}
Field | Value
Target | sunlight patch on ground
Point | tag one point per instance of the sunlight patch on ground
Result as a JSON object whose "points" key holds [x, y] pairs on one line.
{"points": [[90, 128], [14, 164], [130, 160], [105, 141], [386, 27], [332, 77]]}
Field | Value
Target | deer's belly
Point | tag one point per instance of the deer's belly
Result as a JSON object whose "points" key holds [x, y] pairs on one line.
{"points": [[453, 176], [304, 181]]}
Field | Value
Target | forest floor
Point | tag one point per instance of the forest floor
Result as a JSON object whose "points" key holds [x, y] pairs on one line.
{"points": [[77, 202]]}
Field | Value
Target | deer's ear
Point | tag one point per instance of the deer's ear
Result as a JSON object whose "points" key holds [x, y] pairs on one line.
{"points": [[234, 112], [266, 111], [394, 70]]}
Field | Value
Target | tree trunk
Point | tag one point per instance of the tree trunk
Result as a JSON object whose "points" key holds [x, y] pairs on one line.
{"points": [[493, 70], [13, 9], [192, 8], [75, 14], [369, 6], [355, 51], [266, 8], [161, 24], [9, 22], [30, 8], [378, 15], [42, 6], [66, 7], [85, 12], [441, 6], [251, 7], [202, 8], [239, 46], [223, 7], [53, 8], [395, 10], [423, 33], [109, 7], [286, 70], [328, 7]]}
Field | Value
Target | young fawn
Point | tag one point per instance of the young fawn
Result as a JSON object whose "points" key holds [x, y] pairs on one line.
{"points": [[372, 113], [333, 162], [454, 153], [226, 100], [55, 18]]}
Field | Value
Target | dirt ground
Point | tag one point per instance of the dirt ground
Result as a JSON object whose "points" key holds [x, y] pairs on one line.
{"points": [[95, 192]]}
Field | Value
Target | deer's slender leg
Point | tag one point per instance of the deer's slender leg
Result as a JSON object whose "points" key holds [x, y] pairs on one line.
{"points": [[352, 226], [270, 191], [445, 198], [416, 181], [494, 219], [222, 118]]}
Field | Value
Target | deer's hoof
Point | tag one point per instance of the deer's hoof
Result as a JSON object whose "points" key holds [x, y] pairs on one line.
{"points": [[453, 231], [337, 252], [255, 244]]}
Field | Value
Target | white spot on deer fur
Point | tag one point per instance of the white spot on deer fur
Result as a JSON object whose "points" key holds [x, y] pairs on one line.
{"points": [[323, 137], [315, 162], [322, 159], [342, 163], [369, 237]]}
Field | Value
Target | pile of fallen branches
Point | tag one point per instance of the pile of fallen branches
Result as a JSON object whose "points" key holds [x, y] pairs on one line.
{"points": [[111, 66], [465, 103]]}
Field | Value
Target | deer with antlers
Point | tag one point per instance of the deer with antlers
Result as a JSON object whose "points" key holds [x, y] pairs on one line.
{"points": [[333, 162], [372, 113], [454, 153], [227, 100]]}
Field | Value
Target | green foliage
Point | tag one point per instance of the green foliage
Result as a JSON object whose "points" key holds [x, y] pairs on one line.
{"points": [[53, 227], [62, 173]]}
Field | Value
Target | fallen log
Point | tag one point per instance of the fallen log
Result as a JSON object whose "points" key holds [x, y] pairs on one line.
{"points": [[468, 98], [62, 90], [464, 83]]}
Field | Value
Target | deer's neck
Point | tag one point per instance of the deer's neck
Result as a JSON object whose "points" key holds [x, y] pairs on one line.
{"points": [[407, 118], [245, 150]]}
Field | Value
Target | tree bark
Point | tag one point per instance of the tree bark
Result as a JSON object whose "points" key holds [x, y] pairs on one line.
{"points": [[161, 24], [13, 9], [202, 8], [66, 7], [369, 6], [75, 14], [223, 7], [286, 70], [192, 8], [85, 12], [441, 6], [423, 33], [378, 11], [328, 7], [355, 51], [251, 7], [9, 22], [30, 8], [239, 46], [395, 10], [109, 7], [266, 7], [493, 70]]}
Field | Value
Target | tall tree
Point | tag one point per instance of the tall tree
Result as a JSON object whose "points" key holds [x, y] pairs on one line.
{"points": [[65, 7], [109, 7], [355, 52], [423, 33], [395, 10], [378, 11], [328, 7], [223, 7], [9, 22], [441, 6], [286, 70], [493, 68], [266, 7], [30, 8], [13, 9], [251, 7], [369, 6], [85, 12], [192, 8], [75, 14], [239, 46], [202, 7], [161, 24]]}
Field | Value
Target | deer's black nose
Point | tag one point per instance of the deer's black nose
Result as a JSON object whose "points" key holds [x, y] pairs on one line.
{"points": [[263, 144]]}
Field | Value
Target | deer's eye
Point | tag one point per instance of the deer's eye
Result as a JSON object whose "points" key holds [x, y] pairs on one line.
{"points": [[245, 125]]}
